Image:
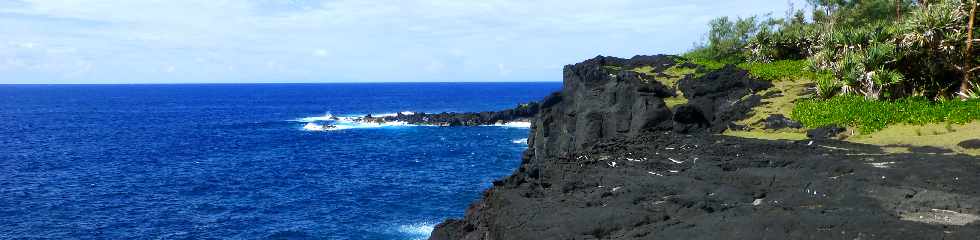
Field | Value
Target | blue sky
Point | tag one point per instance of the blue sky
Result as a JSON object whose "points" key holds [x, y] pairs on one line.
{"points": [[239, 41]]}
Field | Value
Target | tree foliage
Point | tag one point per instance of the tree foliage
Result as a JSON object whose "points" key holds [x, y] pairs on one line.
{"points": [[879, 49]]}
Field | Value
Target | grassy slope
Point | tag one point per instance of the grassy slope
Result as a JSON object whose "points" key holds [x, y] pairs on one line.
{"points": [[789, 85], [673, 75], [901, 137], [930, 128], [793, 86]]}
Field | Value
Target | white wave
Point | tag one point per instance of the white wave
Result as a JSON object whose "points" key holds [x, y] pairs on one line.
{"points": [[383, 115], [313, 127], [330, 122], [325, 117], [520, 141], [514, 125], [417, 230]]}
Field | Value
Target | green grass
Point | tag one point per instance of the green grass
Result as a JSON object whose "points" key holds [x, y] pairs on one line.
{"points": [[648, 70], [673, 75], [872, 115], [779, 70], [612, 69], [678, 71], [700, 57]]}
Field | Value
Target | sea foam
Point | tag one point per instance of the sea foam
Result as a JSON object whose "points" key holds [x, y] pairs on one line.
{"points": [[514, 125], [325, 117], [417, 230], [330, 122]]}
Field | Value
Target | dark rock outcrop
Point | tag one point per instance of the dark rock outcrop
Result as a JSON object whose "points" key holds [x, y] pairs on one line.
{"points": [[521, 113], [608, 160], [970, 144], [778, 121], [825, 132], [722, 97]]}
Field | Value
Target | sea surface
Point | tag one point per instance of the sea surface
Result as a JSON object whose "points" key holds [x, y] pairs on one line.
{"points": [[235, 161]]}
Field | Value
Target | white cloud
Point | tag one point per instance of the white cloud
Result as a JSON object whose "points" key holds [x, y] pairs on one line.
{"points": [[356, 40], [320, 53], [503, 70]]}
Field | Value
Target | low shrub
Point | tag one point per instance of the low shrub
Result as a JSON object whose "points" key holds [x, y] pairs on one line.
{"points": [[779, 70], [874, 115]]}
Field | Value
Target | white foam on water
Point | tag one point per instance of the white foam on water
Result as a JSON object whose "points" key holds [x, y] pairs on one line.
{"points": [[329, 122], [417, 230], [324, 117], [313, 127], [381, 115], [520, 141], [514, 125]]}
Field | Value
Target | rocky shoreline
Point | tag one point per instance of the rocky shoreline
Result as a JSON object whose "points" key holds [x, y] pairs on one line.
{"points": [[521, 113], [609, 159]]}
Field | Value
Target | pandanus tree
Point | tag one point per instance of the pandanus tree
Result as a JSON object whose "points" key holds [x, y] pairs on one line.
{"points": [[967, 87]]}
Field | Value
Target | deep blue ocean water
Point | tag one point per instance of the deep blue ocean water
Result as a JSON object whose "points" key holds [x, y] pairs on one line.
{"points": [[233, 162]]}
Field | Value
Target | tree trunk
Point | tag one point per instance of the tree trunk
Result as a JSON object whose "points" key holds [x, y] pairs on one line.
{"points": [[968, 56], [898, 10]]}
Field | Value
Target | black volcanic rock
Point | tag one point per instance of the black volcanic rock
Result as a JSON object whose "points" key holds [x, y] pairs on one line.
{"points": [[722, 96], [596, 103], [523, 112], [778, 121], [607, 160], [825, 132], [970, 144]]}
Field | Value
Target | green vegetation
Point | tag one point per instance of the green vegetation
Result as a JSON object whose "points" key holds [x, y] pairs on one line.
{"points": [[779, 70], [874, 63], [871, 115], [673, 75], [612, 69], [900, 137], [879, 49]]}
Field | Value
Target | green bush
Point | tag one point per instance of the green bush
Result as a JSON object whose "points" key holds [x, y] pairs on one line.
{"points": [[701, 57], [779, 70], [872, 115]]}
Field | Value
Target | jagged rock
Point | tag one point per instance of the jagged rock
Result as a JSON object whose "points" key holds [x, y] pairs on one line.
{"points": [[689, 118], [825, 132], [604, 162], [970, 144], [722, 96], [778, 121], [523, 112], [596, 103]]}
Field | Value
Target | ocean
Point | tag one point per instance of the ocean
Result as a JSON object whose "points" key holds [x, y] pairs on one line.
{"points": [[242, 161]]}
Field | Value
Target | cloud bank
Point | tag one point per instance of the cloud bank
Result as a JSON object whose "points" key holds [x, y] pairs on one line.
{"points": [[179, 41]]}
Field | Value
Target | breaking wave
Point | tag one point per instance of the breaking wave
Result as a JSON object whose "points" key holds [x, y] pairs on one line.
{"points": [[330, 122], [514, 125], [325, 117], [520, 141], [417, 230]]}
